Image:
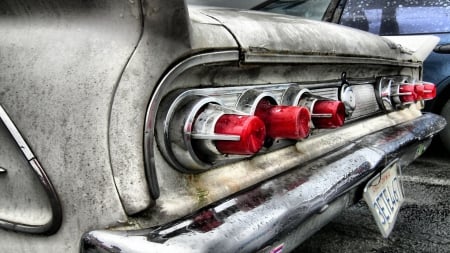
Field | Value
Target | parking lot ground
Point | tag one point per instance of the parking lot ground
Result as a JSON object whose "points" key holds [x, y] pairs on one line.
{"points": [[423, 224]]}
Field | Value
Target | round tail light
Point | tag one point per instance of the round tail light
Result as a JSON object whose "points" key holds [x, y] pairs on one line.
{"points": [[290, 122], [414, 92], [419, 90], [328, 114], [250, 129], [407, 93], [429, 91]]}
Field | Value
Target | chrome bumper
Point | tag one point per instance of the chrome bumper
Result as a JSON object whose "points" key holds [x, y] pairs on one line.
{"points": [[283, 211]]}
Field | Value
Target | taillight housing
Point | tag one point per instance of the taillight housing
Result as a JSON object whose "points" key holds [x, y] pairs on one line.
{"points": [[398, 91], [284, 121], [203, 128], [250, 130], [406, 93], [325, 113], [328, 114], [426, 90]]}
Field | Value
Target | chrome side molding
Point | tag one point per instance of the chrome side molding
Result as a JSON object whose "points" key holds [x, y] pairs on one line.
{"points": [[54, 223]]}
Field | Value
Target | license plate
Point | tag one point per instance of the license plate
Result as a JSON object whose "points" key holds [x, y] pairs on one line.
{"points": [[384, 195]]}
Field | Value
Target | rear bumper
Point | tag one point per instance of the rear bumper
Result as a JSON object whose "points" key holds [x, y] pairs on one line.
{"points": [[285, 210]]}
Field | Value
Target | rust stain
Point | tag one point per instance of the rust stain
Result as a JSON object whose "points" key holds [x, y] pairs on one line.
{"points": [[202, 196], [198, 190]]}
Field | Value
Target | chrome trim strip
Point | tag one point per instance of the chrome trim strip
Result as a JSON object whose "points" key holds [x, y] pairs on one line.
{"points": [[216, 137], [53, 225], [281, 58], [26, 151], [250, 220], [161, 88]]}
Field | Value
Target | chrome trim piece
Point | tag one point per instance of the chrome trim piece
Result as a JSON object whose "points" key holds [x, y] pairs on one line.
{"points": [[365, 101], [281, 58], [281, 206], [180, 129], [307, 99], [348, 98], [161, 89], [248, 101], [203, 125], [26, 151], [216, 137], [53, 225], [388, 92]]}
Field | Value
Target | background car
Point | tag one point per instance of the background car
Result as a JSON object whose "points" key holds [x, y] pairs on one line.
{"points": [[389, 18]]}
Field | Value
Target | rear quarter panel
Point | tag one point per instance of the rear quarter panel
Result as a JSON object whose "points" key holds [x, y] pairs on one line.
{"points": [[59, 65]]}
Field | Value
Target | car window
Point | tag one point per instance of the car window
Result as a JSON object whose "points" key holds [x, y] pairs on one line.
{"points": [[311, 9], [398, 17]]}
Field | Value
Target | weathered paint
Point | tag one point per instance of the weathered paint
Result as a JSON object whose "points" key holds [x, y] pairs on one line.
{"points": [[76, 77], [60, 62]]}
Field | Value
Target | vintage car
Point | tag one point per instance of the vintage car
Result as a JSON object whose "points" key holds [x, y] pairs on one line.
{"points": [[151, 126]]}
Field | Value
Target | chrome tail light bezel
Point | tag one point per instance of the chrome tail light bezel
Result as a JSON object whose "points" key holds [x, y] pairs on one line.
{"points": [[191, 149], [397, 92]]}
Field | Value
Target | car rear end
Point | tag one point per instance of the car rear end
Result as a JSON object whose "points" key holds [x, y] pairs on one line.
{"points": [[226, 131]]}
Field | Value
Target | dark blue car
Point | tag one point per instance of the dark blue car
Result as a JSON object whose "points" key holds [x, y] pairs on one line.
{"points": [[401, 17]]}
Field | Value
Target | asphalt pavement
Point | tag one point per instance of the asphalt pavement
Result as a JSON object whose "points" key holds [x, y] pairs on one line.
{"points": [[423, 224]]}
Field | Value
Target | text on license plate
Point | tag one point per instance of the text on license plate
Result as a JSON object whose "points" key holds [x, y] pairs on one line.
{"points": [[384, 195]]}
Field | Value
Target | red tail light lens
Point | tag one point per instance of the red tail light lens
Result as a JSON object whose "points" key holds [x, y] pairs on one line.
{"points": [[407, 93], [397, 92], [291, 122], [250, 129], [429, 91], [425, 91], [328, 114], [414, 92], [419, 90]]}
